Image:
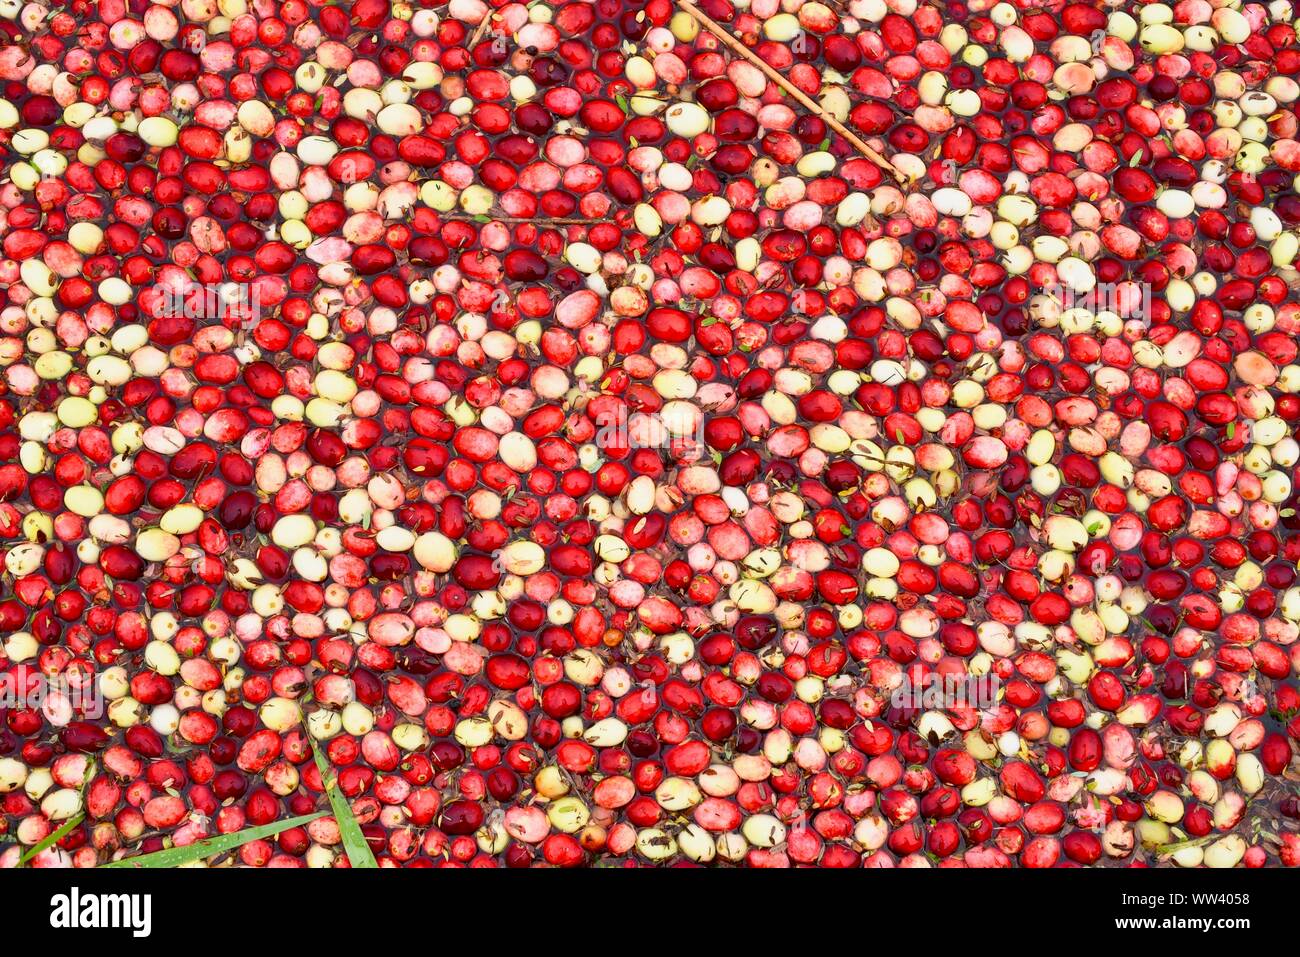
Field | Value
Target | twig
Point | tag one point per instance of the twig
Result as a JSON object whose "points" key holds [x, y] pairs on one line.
{"points": [[789, 87], [480, 30], [536, 220]]}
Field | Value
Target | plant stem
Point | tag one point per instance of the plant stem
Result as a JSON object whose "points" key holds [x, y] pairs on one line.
{"points": [[807, 102]]}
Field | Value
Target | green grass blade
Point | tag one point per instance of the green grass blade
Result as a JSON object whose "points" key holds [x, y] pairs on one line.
{"points": [[354, 842], [176, 856], [52, 838]]}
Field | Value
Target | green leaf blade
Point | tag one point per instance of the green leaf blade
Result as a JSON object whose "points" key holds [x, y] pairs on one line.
{"points": [[177, 856], [52, 838], [354, 842]]}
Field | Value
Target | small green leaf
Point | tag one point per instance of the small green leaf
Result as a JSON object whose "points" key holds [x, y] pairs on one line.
{"points": [[1135, 159], [176, 856], [52, 838], [482, 219], [710, 321], [354, 842], [1182, 845], [621, 100], [898, 434], [1094, 528], [1232, 429]]}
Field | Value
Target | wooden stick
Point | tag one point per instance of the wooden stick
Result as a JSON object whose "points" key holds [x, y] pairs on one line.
{"points": [[536, 220], [480, 30], [789, 87]]}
